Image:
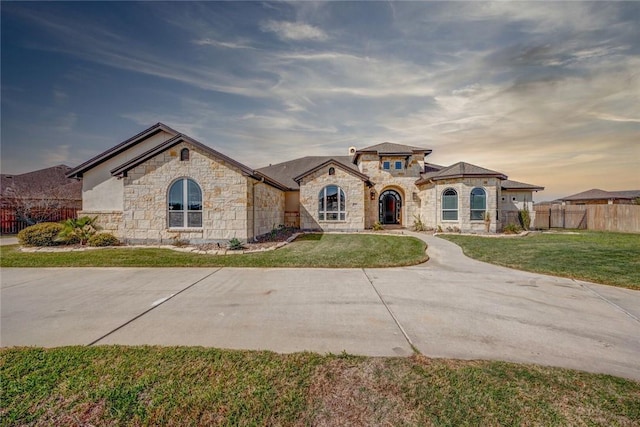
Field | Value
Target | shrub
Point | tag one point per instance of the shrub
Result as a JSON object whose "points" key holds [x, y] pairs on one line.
{"points": [[418, 225], [103, 239], [42, 234], [525, 218], [511, 229], [377, 226], [80, 229], [235, 244]]}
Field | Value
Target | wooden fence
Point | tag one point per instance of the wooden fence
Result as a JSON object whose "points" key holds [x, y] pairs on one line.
{"points": [[620, 218], [11, 223]]}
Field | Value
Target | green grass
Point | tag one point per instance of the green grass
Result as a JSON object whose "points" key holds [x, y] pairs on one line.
{"points": [[114, 385], [601, 257], [310, 250]]}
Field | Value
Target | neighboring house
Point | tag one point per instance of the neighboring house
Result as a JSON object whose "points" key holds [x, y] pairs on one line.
{"points": [[42, 195], [162, 185], [602, 197]]}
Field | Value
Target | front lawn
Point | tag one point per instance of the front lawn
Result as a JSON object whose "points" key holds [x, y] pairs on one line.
{"points": [[115, 385], [601, 257], [309, 250]]}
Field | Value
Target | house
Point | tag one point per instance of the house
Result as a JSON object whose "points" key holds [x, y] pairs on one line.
{"points": [[42, 195], [161, 185], [602, 197]]}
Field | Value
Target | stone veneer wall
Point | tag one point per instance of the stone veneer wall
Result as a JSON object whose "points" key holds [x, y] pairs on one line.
{"points": [[432, 209], [109, 221], [268, 208], [403, 181], [224, 192], [354, 189]]}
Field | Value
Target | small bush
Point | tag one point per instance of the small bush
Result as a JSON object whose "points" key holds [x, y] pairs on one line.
{"points": [[78, 229], [377, 226], [525, 219], [103, 239], [235, 244], [43, 234], [418, 225], [511, 229]]}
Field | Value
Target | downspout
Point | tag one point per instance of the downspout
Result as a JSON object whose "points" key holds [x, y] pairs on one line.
{"points": [[253, 206]]}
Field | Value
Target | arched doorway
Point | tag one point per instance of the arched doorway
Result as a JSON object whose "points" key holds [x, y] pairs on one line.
{"points": [[389, 205]]}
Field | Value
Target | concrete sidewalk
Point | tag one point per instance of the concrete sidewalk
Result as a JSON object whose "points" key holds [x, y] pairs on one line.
{"points": [[451, 306]]}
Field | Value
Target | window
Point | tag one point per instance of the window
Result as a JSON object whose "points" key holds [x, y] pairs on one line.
{"points": [[449, 205], [331, 204], [398, 165], [386, 165], [184, 154], [332, 171], [478, 204], [185, 204]]}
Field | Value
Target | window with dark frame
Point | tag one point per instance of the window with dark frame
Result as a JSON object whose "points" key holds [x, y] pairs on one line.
{"points": [[331, 204], [185, 204], [184, 154]]}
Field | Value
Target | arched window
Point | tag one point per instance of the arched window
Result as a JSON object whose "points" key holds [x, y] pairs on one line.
{"points": [[332, 171], [184, 154], [331, 204], [185, 204], [449, 205], [478, 204]]}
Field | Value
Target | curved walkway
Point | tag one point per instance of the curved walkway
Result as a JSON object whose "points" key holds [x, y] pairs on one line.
{"points": [[451, 306]]}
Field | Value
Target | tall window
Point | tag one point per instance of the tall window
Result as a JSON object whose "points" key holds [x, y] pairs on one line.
{"points": [[450, 205], [185, 204], [184, 154], [478, 203], [386, 165], [331, 204]]}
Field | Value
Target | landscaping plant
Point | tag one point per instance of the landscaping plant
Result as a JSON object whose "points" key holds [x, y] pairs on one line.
{"points": [[43, 234], [78, 228], [103, 239]]}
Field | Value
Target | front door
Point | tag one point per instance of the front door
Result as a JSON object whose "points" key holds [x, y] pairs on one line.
{"points": [[389, 205]]}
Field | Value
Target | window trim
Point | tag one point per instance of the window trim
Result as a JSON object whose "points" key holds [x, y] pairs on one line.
{"points": [[472, 210], [442, 196], [185, 203], [341, 214]]}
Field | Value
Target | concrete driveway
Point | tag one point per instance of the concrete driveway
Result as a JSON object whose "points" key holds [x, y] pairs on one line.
{"points": [[451, 306]]}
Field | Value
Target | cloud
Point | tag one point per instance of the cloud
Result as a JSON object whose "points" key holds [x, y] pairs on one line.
{"points": [[216, 43], [294, 30]]}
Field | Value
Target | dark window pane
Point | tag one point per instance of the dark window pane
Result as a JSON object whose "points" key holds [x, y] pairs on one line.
{"points": [[321, 216], [398, 165], [478, 199], [341, 200], [176, 219], [342, 216], [332, 198], [194, 196], [450, 202], [332, 216], [194, 219], [450, 215], [477, 215], [321, 200], [175, 196]]}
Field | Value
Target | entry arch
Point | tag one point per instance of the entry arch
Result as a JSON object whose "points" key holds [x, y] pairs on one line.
{"points": [[390, 205]]}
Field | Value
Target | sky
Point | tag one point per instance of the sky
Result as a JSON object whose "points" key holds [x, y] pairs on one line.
{"points": [[547, 93]]}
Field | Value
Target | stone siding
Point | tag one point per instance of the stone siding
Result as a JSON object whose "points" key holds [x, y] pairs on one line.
{"points": [[224, 192], [268, 208], [432, 209], [108, 221], [402, 181], [355, 191]]}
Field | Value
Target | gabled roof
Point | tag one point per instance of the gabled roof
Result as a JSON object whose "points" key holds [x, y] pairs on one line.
{"points": [[597, 194], [332, 161], [285, 172], [127, 166], [508, 184], [124, 145], [389, 149], [459, 170]]}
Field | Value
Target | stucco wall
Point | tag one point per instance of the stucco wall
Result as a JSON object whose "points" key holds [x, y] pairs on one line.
{"points": [[354, 189], [224, 193], [269, 208], [103, 192]]}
